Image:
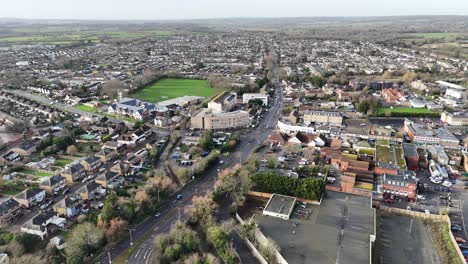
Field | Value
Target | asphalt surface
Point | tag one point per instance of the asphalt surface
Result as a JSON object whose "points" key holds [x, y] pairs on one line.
{"points": [[337, 231], [405, 240], [175, 209]]}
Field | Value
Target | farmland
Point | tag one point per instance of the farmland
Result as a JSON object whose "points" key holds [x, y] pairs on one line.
{"points": [[171, 88]]}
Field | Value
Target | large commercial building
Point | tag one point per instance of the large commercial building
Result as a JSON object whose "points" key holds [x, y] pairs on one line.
{"points": [[422, 134], [323, 117], [224, 102], [251, 96], [455, 119], [207, 119]]}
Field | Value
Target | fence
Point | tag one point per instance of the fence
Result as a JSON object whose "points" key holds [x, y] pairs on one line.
{"points": [[262, 240]]}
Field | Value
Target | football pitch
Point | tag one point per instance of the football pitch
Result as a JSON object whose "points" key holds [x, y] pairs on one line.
{"points": [[171, 88]]}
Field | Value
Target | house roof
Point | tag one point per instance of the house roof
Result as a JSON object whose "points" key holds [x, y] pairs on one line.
{"points": [[50, 181], [41, 218], [89, 188], [8, 205], [28, 193], [107, 176], [278, 137]]}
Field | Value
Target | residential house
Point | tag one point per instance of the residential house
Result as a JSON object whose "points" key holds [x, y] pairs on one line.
{"points": [[26, 148], [277, 138], [30, 197], [66, 207], [91, 191], [392, 95], [41, 224], [106, 178], [105, 154], [9, 210], [91, 163], [52, 184], [303, 139], [73, 172]]}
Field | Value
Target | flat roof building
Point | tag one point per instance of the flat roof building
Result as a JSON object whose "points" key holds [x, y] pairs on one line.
{"points": [[280, 206], [208, 119]]}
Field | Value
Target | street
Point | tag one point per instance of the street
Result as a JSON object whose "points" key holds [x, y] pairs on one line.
{"points": [[175, 209]]}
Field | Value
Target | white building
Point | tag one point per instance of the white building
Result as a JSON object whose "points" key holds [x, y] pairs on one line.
{"points": [[280, 206], [250, 96]]}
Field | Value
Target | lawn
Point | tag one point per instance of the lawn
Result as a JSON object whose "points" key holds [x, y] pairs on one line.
{"points": [[171, 88], [63, 162], [399, 158], [404, 111], [86, 108], [35, 173]]}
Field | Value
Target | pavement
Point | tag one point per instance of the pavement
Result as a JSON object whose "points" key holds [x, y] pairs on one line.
{"points": [[337, 231], [406, 240], [174, 210]]}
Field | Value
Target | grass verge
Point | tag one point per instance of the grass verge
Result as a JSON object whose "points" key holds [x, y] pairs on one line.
{"points": [[441, 238]]}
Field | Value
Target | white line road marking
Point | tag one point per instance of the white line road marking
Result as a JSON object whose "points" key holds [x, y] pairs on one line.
{"points": [[138, 252]]}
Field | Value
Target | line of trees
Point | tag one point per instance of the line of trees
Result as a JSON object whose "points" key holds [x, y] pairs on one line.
{"points": [[309, 188]]}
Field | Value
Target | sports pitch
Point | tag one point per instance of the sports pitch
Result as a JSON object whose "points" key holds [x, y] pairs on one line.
{"points": [[171, 88]]}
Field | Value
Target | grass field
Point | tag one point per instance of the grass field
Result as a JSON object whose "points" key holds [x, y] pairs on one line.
{"points": [[171, 88], [86, 108], [35, 173], [404, 111], [63, 162]]}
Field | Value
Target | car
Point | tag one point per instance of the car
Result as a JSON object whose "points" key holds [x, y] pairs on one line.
{"points": [[421, 197], [331, 180], [65, 191], [179, 196], [157, 214], [463, 246], [456, 228], [427, 212], [447, 184], [221, 162], [45, 205], [460, 240], [389, 201]]}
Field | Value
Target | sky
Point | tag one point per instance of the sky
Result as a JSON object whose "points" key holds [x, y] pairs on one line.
{"points": [[189, 9]]}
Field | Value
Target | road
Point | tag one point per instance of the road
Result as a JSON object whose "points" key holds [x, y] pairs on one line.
{"points": [[175, 209], [69, 108]]}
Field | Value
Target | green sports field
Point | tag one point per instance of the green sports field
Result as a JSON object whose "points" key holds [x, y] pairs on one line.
{"points": [[171, 88], [405, 111]]}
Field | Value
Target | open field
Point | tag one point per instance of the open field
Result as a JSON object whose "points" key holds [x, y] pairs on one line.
{"points": [[404, 111], [171, 88], [68, 36], [436, 35], [86, 108]]}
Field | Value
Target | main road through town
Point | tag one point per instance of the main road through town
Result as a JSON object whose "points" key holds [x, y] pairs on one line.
{"points": [[176, 209]]}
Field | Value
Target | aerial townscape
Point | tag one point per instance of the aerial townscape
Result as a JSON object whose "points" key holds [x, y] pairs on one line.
{"points": [[234, 140]]}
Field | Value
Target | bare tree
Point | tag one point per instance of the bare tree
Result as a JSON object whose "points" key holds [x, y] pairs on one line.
{"points": [[112, 88]]}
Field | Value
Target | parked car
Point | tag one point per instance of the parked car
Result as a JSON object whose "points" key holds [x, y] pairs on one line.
{"points": [[463, 246], [331, 180], [456, 228], [460, 240], [421, 197], [179, 197], [447, 184]]}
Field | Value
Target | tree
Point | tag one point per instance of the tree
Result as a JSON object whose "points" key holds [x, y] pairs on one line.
{"points": [[203, 209], [387, 75], [206, 140], [317, 81], [72, 150], [18, 127], [409, 76], [29, 258], [363, 106], [112, 88], [206, 258], [115, 229], [110, 209], [178, 243], [84, 240]]}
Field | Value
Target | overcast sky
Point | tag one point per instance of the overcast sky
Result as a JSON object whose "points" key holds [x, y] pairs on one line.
{"points": [[186, 9]]}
